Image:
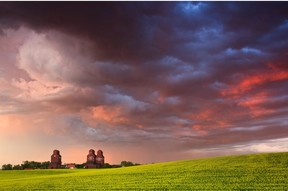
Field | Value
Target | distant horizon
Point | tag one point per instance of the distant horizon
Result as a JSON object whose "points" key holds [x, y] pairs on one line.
{"points": [[216, 156], [193, 158], [145, 82]]}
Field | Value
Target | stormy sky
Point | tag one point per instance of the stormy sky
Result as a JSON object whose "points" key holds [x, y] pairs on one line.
{"points": [[143, 81]]}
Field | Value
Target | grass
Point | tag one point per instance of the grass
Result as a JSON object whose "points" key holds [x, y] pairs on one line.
{"points": [[244, 172]]}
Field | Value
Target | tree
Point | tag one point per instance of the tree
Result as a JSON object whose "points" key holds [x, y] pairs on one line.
{"points": [[17, 167], [26, 164], [45, 164], [33, 164], [80, 165], [107, 165], [7, 167], [115, 166], [126, 163]]}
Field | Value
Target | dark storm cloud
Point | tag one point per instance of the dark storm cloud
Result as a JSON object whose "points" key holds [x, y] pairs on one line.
{"points": [[133, 30], [201, 72], [115, 27]]}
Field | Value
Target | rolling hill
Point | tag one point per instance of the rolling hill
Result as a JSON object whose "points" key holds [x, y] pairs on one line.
{"points": [[244, 172]]}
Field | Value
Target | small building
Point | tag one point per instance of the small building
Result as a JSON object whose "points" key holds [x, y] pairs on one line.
{"points": [[70, 165]]}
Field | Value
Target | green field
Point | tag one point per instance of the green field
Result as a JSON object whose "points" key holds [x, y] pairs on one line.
{"points": [[244, 172]]}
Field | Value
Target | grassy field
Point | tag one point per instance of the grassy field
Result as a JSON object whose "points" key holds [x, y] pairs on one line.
{"points": [[245, 172]]}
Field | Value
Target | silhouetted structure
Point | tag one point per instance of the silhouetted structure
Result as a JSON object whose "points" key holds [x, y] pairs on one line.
{"points": [[55, 160], [95, 161], [100, 159], [91, 159]]}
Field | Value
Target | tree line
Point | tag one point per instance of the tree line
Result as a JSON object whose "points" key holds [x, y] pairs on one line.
{"points": [[44, 165], [26, 165], [128, 163]]}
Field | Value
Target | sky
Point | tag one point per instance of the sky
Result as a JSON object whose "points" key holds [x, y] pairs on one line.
{"points": [[143, 81]]}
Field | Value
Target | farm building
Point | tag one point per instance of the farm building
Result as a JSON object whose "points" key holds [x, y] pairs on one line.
{"points": [[70, 165], [55, 160], [95, 161]]}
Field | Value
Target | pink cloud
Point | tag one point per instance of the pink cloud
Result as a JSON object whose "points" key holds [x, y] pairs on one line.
{"points": [[256, 80]]}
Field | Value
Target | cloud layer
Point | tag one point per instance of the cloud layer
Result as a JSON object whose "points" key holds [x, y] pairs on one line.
{"points": [[158, 77]]}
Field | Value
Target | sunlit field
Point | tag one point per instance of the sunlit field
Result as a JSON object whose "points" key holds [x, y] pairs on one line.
{"points": [[245, 172]]}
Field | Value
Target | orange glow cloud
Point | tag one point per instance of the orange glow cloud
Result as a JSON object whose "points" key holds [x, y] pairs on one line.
{"points": [[205, 115], [209, 119], [253, 103], [15, 124], [254, 100], [256, 80], [199, 129], [110, 114]]}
